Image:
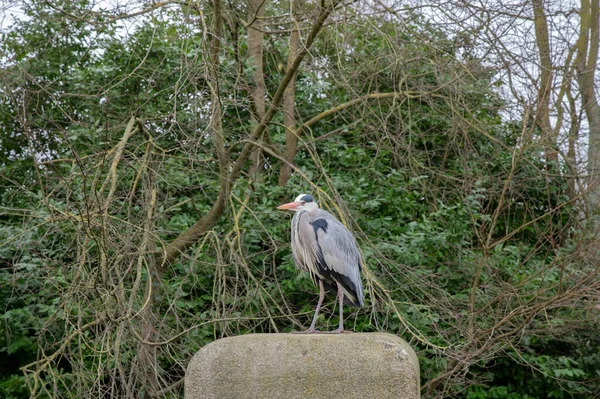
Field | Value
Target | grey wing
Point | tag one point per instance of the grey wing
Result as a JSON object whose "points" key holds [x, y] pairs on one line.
{"points": [[340, 255]]}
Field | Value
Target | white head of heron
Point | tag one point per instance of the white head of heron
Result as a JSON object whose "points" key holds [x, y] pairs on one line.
{"points": [[303, 202]]}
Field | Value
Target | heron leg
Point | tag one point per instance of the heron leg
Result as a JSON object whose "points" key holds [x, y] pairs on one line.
{"points": [[311, 329], [341, 299]]}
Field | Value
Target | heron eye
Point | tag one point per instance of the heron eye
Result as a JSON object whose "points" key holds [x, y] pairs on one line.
{"points": [[303, 202]]}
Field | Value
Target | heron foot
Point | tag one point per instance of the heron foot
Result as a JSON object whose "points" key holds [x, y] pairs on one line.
{"points": [[309, 331], [339, 331]]}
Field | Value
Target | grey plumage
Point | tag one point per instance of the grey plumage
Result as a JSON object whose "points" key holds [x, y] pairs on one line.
{"points": [[323, 247]]}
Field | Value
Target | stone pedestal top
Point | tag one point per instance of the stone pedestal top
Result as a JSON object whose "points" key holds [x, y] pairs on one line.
{"points": [[341, 366]]}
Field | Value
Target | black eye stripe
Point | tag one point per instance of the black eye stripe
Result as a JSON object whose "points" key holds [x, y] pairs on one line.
{"points": [[307, 198]]}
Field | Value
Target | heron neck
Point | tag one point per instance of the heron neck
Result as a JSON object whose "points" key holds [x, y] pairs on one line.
{"points": [[313, 211]]}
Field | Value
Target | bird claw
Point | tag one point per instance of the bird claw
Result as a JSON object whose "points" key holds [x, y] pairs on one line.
{"points": [[314, 331], [339, 331], [309, 331]]}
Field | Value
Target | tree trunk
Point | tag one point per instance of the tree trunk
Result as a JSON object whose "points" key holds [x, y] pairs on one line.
{"points": [[256, 12], [289, 109], [542, 115], [586, 62]]}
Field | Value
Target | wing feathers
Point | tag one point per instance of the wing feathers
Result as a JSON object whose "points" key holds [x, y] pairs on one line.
{"points": [[340, 253]]}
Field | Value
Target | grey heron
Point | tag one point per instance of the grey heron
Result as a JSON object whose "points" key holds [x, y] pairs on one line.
{"points": [[323, 247]]}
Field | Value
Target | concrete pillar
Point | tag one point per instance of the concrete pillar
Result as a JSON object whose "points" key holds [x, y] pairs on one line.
{"points": [[287, 366]]}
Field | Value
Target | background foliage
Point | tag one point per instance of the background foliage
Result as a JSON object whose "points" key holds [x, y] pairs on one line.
{"points": [[136, 228]]}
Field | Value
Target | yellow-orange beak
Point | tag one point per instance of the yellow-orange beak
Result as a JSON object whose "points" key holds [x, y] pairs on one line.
{"points": [[290, 205]]}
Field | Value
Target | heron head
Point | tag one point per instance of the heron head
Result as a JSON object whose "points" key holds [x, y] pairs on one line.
{"points": [[303, 202]]}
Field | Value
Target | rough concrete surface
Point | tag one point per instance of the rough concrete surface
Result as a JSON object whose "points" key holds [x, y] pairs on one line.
{"points": [[356, 365]]}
